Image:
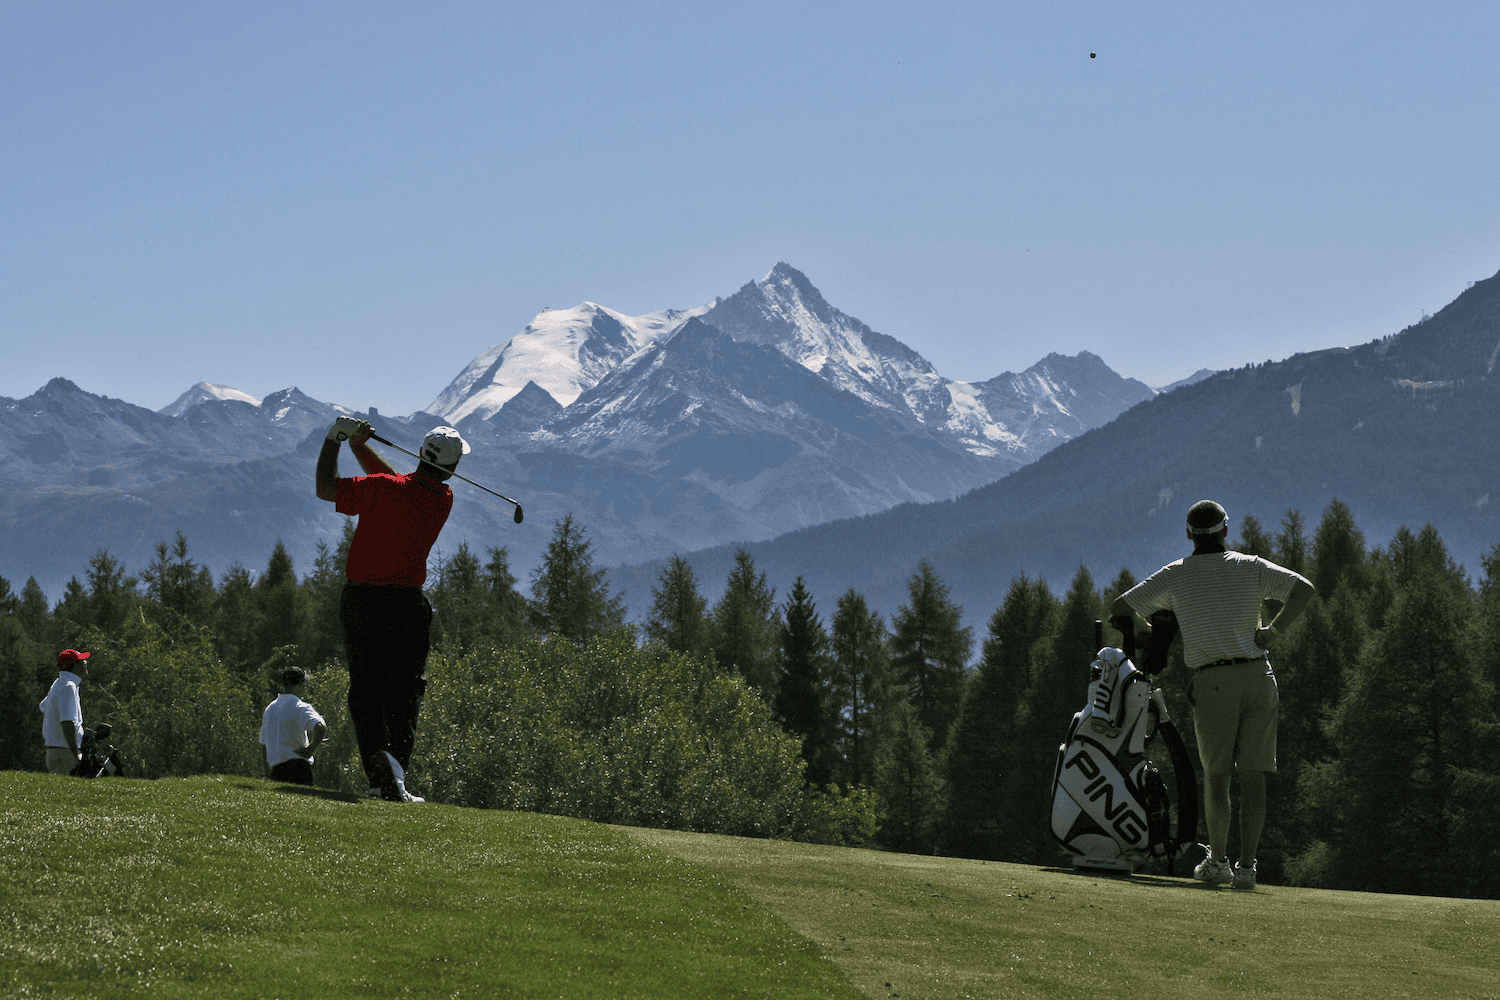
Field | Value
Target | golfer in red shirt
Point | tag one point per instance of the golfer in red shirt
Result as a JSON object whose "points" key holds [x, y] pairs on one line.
{"points": [[385, 616]]}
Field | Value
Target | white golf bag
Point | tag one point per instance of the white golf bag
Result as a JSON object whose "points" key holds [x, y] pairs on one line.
{"points": [[1110, 806]]}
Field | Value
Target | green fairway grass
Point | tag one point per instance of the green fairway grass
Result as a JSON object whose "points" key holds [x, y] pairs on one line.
{"points": [[919, 927], [233, 887]]}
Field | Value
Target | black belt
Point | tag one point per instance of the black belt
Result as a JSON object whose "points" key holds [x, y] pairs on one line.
{"points": [[380, 586], [1234, 662]]}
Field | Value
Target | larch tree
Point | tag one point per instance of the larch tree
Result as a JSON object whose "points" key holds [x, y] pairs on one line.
{"points": [[929, 649]]}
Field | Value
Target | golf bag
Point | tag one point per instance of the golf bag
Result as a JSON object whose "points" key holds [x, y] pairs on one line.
{"points": [[1110, 806], [98, 758]]}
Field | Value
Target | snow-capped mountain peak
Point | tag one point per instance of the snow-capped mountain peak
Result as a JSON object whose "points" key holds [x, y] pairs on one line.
{"points": [[202, 393], [1011, 418], [563, 351], [783, 310]]}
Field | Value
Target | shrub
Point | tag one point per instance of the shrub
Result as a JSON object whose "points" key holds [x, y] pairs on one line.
{"points": [[607, 731], [838, 819], [176, 709]]}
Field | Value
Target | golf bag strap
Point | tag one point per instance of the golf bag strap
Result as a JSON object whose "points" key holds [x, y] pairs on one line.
{"points": [[1187, 787]]}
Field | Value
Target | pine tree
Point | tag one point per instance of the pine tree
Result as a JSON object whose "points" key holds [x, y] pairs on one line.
{"points": [[509, 612], [860, 687], [1311, 661], [33, 614], [237, 619], [72, 612], [909, 785], [1404, 729], [281, 615], [802, 697], [1291, 543], [746, 628], [110, 597], [458, 602], [19, 691], [1058, 685], [1338, 554], [1381, 595], [1122, 583], [679, 615], [322, 590], [929, 649], [981, 762], [572, 599], [1410, 557], [1487, 625], [1014, 652], [1252, 540], [477, 606], [177, 583]]}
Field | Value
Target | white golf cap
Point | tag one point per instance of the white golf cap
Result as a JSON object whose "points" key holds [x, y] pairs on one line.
{"points": [[444, 446], [1206, 518]]}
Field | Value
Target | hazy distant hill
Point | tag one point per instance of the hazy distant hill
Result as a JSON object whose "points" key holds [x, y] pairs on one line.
{"points": [[1405, 430]]}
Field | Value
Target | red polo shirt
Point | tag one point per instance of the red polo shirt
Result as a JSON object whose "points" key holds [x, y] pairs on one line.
{"points": [[400, 517]]}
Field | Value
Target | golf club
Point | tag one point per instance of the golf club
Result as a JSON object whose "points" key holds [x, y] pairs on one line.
{"points": [[466, 479]]}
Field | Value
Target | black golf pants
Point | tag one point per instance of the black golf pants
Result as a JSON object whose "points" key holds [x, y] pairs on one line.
{"points": [[386, 640]]}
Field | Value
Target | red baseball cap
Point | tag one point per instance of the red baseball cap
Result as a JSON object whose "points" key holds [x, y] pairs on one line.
{"points": [[70, 656]]}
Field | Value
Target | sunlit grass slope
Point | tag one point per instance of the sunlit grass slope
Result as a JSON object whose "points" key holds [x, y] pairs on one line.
{"points": [[230, 887], [234, 887], [919, 927]]}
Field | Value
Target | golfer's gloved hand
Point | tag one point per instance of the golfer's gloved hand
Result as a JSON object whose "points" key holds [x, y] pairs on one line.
{"points": [[349, 429]]}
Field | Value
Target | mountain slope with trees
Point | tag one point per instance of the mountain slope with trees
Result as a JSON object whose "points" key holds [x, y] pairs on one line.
{"points": [[1405, 430]]}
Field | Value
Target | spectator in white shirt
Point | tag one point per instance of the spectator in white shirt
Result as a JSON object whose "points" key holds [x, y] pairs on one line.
{"points": [[292, 730]]}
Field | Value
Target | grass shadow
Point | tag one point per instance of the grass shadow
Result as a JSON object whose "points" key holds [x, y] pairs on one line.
{"points": [[1137, 878], [312, 791]]}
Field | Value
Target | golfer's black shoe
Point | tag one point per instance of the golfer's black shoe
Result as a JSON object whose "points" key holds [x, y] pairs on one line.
{"points": [[382, 778], [393, 789]]}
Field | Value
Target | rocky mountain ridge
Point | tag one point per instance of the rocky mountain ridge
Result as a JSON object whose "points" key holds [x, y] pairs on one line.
{"points": [[660, 434]]}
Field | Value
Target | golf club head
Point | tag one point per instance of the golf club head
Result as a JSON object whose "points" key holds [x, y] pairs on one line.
{"points": [[518, 513]]}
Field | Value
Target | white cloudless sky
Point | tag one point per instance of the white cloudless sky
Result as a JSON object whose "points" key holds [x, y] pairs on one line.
{"points": [[359, 198]]}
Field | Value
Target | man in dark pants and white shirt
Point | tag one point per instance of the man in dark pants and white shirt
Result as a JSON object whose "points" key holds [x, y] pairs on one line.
{"points": [[292, 730], [385, 616], [1217, 597], [62, 713]]}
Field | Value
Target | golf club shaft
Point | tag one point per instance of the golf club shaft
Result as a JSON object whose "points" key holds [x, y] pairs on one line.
{"points": [[419, 458]]}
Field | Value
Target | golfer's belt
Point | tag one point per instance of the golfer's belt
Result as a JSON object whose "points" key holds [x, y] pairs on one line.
{"points": [[1236, 661]]}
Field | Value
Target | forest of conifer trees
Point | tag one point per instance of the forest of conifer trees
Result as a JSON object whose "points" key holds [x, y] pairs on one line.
{"points": [[738, 710]]}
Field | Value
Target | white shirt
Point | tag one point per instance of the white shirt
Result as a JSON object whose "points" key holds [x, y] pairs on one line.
{"points": [[62, 705], [1217, 599], [285, 728]]}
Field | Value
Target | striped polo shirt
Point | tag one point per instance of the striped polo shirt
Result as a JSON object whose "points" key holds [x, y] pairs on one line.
{"points": [[1217, 599]]}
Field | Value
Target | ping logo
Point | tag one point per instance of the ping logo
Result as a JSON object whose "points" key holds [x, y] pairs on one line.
{"points": [[1095, 786]]}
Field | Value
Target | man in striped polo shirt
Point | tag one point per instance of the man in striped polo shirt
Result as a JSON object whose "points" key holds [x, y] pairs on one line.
{"points": [[1217, 596]]}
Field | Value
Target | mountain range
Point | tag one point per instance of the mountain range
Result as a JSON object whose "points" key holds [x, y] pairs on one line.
{"points": [[757, 414], [1404, 430]]}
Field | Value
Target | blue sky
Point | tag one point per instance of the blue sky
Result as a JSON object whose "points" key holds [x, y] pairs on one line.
{"points": [[358, 199]]}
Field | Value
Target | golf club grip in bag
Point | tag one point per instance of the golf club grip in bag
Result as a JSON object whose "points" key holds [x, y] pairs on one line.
{"points": [[1110, 806]]}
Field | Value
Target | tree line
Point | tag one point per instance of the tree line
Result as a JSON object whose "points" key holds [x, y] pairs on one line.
{"points": [[761, 714]]}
